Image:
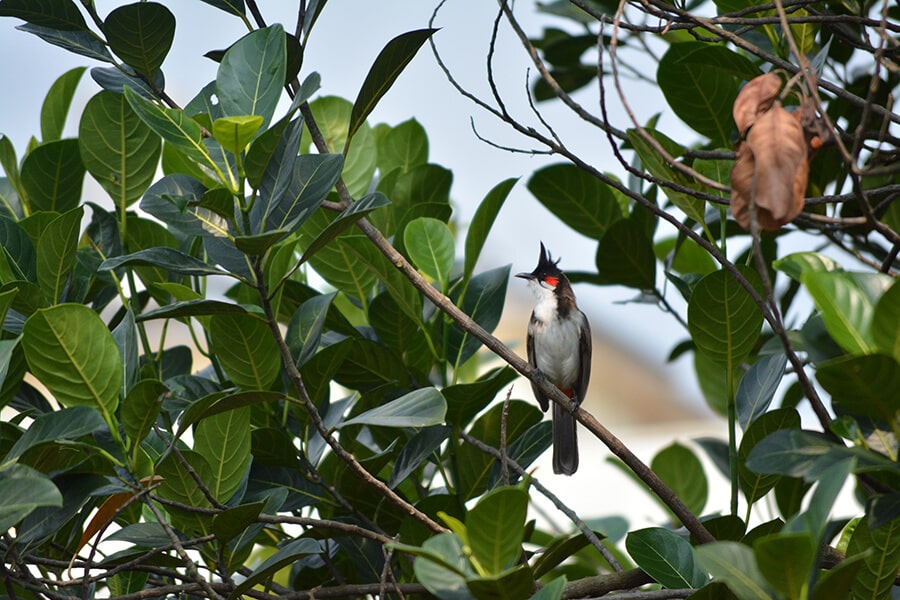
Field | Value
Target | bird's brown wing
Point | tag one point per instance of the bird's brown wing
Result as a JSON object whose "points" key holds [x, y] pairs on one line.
{"points": [[584, 349]]}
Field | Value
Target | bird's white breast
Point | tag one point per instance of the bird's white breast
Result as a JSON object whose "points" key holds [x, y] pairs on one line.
{"points": [[556, 341]]}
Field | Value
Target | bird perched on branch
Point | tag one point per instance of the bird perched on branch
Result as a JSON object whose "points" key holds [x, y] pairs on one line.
{"points": [[559, 346]]}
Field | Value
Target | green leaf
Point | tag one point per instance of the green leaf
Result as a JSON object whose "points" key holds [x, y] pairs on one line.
{"points": [[404, 293], [444, 568], [141, 35], [56, 253], [625, 256], [54, 14], [173, 126], [482, 223], [56, 104], [757, 388], [420, 408], [84, 43], [496, 527], [483, 301], [465, 400], [388, 65], [224, 441], [65, 424], [305, 327], [845, 308], [234, 133], [140, 409], [70, 350], [560, 549], [423, 191], [251, 75], [220, 402], [52, 175], [580, 200], [700, 83], [796, 264], [117, 148], [837, 581], [311, 179], [191, 308], [178, 483], [417, 450], [246, 350], [864, 386], [885, 333], [164, 258], [271, 156], [286, 555], [22, 490], [785, 561], [512, 584], [18, 250], [231, 522], [346, 219], [177, 201], [429, 243], [666, 557], [735, 565], [332, 114], [723, 320], [755, 485], [681, 470], [881, 550], [402, 147], [235, 7]]}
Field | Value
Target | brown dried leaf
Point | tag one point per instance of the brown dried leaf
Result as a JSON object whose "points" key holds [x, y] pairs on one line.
{"points": [[771, 170], [754, 99]]}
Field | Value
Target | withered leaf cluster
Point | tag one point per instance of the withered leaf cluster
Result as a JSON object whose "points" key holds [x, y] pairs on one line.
{"points": [[772, 163]]}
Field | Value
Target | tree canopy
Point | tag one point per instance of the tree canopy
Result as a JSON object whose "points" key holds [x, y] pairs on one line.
{"points": [[334, 427]]}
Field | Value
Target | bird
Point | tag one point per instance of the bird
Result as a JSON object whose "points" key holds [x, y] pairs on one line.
{"points": [[559, 346]]}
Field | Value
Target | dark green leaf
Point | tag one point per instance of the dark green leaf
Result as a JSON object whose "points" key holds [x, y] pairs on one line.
{"points": [[305, 328], [54, 14], [18, 250], [126, 336], [193, 308], [56, 253], [66, 424], [223, 440], [251, 74], [113, 79], [246, 350], [420, 408], [420, 448], [757, 388], [56, 104], [496, 526], [21, 491], [165, 258], [231, 522], [755, 485], [402, 147], [580, 200], [141, 35], [483, 301], [682, 471], [666, 557], [625, 256], [887, 314], [312, 178], [864, 386], [483, 221], [140, 409], [286, 555], [52, 175], [845, 308], [735, 565], [429, 243], [444, 568], [465, 400], [235, 7], [79, 42], [785, 560], [176, 200], [881, 550], [526, 449], [348, 217], [388, 65]]}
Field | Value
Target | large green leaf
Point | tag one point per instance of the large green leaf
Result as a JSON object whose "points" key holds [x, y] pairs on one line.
{"points": [[785, 560], [625, 256], [429, 243], [465, 400], [141, 35], [223, 440], [881, 550], [66, 424], [401, 147], [118, 149], [496, 527], [723, 320], [56, 253], [52, 175], [388, 65], [753, 484], [305, 327], [62, 15], [246, 350], [735, 565], [865, 386], [84, 43], [682, 471], [251, 74], [140, 409], [398, 286], [70, 350], [666, 557], [420, 408], [796, 264], [885, 332], [353, 213], [163, 258], [846, 309], [56, 104], [422, 191], [483, 221], [483, 301], [700, 83], [18, 250], [579, 199], [332, 115], [174, 126], [179, 483], [234, 133], [333, 259], [310, 180], [422, 446], [22, 490], [286, 555]]}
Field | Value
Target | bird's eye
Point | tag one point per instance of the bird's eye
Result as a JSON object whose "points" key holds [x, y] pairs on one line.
{"points": [[551, 281]]}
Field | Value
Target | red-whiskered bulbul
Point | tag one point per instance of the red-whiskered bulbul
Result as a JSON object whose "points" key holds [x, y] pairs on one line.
{"points": [[559, 345]]}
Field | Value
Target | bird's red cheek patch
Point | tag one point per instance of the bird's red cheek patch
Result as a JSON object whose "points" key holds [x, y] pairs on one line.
{"points": [[551, 281]]}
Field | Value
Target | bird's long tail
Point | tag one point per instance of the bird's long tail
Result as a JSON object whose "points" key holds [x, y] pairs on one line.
{"points": [[565, 441]]}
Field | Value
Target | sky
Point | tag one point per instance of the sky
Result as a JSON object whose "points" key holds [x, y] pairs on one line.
{"points": [[344, 43]]}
